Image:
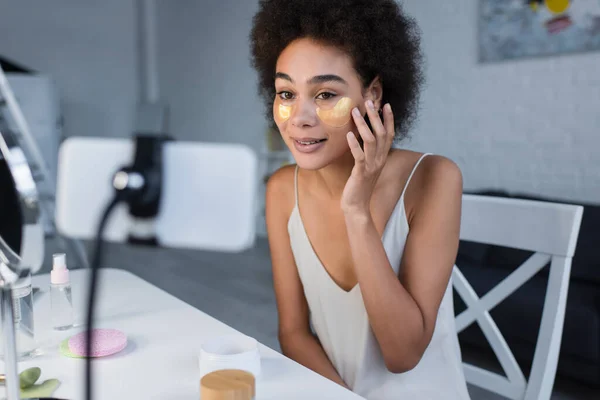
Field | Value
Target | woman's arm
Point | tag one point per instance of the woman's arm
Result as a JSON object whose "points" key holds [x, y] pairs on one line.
{"points": [[296, 340], [402, 312], [305, 349]]}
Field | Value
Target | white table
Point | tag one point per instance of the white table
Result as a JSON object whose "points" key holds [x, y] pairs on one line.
{"points": [[161, 360]]}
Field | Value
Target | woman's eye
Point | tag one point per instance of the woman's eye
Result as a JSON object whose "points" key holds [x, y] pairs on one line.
{"points": [[325, 96], [284, 95]]}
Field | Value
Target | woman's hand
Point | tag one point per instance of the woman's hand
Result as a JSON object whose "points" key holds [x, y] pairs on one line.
{"points": [[369, 161]]}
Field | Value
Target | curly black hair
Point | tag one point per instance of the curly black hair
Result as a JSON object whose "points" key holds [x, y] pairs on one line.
{"points": [[380, 39]]}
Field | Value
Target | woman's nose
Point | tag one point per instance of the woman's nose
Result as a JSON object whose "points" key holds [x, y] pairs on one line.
{"points": [[304, 114]]}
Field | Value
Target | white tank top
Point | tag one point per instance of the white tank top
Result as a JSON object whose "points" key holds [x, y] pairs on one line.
{"points": [[340, 321]]}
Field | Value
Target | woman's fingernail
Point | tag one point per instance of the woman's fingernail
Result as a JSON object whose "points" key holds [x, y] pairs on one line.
{"points": [[387, 107], [370, 104], [356, 112]]}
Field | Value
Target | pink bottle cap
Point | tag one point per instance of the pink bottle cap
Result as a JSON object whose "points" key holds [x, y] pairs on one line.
{"points": [[59, 274]]}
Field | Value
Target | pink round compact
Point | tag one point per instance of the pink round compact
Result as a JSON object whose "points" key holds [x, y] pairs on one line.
{"points": [[105, 342]]}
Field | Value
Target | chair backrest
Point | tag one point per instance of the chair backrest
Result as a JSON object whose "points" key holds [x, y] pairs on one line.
{"points": [[208, 196], [549, 230]]}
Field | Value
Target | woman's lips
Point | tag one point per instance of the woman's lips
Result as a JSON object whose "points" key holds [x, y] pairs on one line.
{"points": [[308, 145]]}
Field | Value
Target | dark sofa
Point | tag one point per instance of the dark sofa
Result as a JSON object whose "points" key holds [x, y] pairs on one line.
{"points": [[518, 317]]}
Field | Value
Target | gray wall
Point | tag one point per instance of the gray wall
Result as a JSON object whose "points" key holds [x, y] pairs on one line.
{"points": [[205, 72], [528, 125], [89, 48]]}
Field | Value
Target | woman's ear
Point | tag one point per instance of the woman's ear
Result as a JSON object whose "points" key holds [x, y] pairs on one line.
{"points": [[375, 92]]}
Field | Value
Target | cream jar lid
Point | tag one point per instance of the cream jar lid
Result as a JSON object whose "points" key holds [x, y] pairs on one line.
{"points": [[228, 384]]}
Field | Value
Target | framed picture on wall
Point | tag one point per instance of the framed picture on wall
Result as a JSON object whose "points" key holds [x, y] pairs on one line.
{"points": [[511, 29]]}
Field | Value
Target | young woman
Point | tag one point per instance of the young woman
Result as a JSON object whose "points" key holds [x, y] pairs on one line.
{"points": [[363, 237]]}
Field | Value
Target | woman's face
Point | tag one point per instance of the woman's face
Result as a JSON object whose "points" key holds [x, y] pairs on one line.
{"points": [[317, 87]]}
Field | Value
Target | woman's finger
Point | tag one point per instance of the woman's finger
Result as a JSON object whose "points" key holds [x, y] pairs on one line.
{"points": [[390, 131], [377, 125], [357, 153], [369, 141]]}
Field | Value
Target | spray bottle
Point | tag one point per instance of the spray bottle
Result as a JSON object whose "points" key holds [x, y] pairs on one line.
{"points": [[60, 294]]}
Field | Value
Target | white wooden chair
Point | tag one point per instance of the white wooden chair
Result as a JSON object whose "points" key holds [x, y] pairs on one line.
{"points": [[549, 230]]}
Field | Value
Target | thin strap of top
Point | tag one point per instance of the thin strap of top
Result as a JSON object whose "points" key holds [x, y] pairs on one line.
{"points": [[403, 190], [413, 172], [296, 184]]}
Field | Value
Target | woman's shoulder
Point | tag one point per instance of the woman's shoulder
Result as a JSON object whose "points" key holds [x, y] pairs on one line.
{"points": [[435, 177], [431, 167], [280, 188]]}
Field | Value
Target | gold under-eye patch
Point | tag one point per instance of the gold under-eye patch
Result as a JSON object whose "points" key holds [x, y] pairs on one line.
{"points": [[284, 112], [281, 112], [337, 116]]}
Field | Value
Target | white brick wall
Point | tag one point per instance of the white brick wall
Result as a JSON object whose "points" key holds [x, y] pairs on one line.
{"points": [[530, 125]]}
